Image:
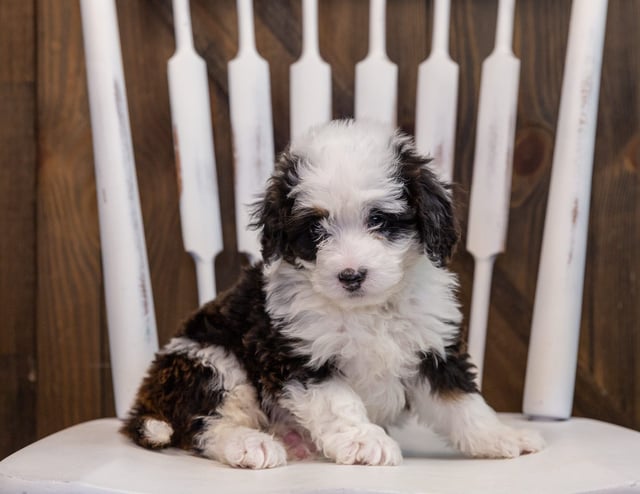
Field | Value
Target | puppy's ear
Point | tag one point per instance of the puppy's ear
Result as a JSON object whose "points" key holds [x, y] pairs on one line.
{"points": [[270, 214], [431, 200]]}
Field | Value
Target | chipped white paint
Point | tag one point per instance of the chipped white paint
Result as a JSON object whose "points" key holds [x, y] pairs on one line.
{"points": [[129, 301], [252, 126], [491, 185], [437, 97], [195, 158], [310, 96], [553, 348], [376, 75]]}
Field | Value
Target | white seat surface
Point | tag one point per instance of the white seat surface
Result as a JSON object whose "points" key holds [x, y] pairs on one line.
{"points": [[582, 455]]}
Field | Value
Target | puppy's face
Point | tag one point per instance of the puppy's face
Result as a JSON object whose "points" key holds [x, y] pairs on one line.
{"points": [[354, 207]]}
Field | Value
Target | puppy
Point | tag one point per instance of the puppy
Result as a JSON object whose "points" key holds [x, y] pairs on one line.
{"points": [[349, 325]]}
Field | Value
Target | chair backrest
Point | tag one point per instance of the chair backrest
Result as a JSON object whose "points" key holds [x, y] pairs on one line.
{"points": [[559, 293]]}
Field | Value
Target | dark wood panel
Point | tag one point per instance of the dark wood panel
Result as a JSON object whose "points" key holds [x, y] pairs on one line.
{"points": [[611, 313], [17, 220], [69, 315]]}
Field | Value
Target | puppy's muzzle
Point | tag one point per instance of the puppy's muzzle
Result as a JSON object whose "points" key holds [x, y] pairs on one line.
{"points": [[351, 279]]}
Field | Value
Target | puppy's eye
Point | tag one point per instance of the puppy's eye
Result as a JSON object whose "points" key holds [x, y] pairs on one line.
{"points": [[377, 221], [391, 225]]}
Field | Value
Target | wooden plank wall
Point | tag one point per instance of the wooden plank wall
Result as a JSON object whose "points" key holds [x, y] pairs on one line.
{"points": [[54, 361], [17, 224]]}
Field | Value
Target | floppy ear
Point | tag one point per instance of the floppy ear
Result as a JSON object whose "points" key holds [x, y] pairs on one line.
{"points": [[271, 213], [432, 202]]}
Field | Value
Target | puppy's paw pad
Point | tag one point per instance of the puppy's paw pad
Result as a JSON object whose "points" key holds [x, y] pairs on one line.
{"points": [[255, 450], [369, 449]]}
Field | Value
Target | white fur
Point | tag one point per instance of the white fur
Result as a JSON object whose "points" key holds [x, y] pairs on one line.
{"points": [[406, 306], [345, 166], [350, 170], [376, 346], [337, 421], [234, 436], [472, 426], [244, 447], [157, 432], [222, 361], [369, 336]]}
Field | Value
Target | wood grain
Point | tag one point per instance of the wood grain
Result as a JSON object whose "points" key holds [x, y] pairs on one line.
{"points": [[17, 220], [611, 312], [70, 345], [69, 315]]}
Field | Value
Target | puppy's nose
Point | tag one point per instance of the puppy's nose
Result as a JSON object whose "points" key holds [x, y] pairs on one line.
{"points": [[351, 279]]}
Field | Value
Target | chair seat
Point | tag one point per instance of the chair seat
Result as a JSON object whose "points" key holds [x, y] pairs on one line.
{"points": [[582, 455]]}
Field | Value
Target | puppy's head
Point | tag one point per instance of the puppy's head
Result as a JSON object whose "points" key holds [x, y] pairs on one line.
{"points": [[354, 206]]}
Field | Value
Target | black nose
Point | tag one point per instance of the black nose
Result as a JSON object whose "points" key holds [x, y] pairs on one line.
{"points": [[352, 279]]}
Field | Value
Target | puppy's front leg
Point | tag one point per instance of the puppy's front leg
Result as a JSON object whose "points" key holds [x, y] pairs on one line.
{"points": [[337, 421], [446, 399]]}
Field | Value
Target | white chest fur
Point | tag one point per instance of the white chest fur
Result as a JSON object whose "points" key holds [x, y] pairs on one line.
{"points": [[375, 347], [375, 362]]}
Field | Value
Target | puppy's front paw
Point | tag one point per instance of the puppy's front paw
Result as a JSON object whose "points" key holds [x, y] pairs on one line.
{"points": [[253, 449], [501, 442], [371, 446]]}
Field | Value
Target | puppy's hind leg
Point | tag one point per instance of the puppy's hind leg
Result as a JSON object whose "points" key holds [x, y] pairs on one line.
{"points": [[233, 435], [197, 397]]}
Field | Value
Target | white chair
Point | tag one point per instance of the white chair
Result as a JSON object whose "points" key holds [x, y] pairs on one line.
{"points": [[582, 455]]}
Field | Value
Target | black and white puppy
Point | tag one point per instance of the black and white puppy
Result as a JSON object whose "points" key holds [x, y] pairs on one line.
{"points": [[350, 324]]}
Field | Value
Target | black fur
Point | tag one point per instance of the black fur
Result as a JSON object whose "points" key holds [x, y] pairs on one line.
{"points": [[450, 375], [179, 390], [290, 236], [431, 200], [392, 226], [238, 322], [286, 234], [176, 390]]}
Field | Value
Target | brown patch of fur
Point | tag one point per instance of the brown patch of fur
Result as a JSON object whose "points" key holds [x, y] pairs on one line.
{"points": [[185, 393]]}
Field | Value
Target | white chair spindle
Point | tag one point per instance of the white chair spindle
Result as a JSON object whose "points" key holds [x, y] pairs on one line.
{"points": [[129, 301], [553, 347], [437, 98], [376, 76], [310, 91], [251, 125], [194, 152], [491, 184]]}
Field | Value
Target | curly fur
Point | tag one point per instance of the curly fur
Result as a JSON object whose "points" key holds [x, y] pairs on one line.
{"points": [[349, 325]]}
